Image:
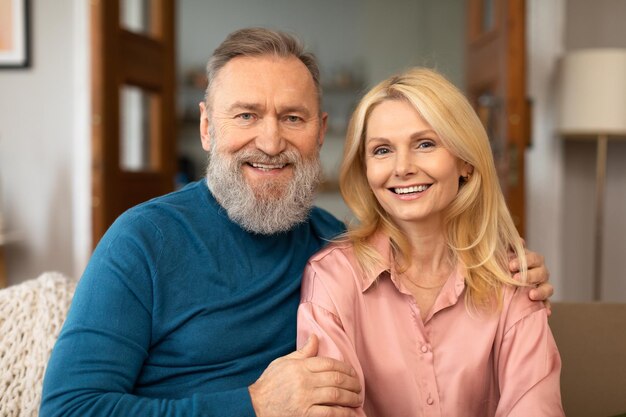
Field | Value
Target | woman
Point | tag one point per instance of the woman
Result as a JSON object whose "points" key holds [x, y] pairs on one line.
{"points": [[417, 297]]}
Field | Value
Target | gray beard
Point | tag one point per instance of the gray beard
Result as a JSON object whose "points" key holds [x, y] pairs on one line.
{"points": [[269, 208]]}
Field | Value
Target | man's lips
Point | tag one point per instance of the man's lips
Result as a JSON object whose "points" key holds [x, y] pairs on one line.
{"points": [[266, 167]]}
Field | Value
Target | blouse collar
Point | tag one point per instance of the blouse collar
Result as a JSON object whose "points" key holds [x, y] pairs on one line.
{"points": [[449, 294]]}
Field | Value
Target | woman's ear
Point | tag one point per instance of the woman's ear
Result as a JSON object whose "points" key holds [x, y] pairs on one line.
{"points": [[466, 173], [205, 137], [468, 169]]}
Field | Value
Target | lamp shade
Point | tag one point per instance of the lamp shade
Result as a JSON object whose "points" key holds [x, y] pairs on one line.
{"points": [[593, 92]]}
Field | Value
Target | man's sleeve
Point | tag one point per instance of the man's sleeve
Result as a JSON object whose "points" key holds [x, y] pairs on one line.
{"points": [[106, 338]]}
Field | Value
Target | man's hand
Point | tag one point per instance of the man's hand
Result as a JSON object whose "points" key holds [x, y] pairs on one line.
{"points": [[301, 384], [538, 275]]}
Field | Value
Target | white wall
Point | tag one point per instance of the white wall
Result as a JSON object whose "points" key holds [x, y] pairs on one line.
{"points": [[322, 25], [380, 37], [44, 110], [388, 36], [597, 24], [372, 39], [39, 111], [561, 174], [544, 170], [44, 116]]}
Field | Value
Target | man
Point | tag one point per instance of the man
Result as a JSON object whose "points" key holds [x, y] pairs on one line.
{"points": [[190, 298]]}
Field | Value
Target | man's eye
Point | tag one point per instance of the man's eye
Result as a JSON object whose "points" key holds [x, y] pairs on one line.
{"points": [[245, 116], [293, 119]]}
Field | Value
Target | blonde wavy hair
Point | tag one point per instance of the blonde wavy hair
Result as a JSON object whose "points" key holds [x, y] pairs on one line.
{"points": [[478, 227]]}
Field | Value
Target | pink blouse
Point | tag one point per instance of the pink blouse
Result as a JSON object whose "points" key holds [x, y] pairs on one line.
{"points": [[454, 363]]}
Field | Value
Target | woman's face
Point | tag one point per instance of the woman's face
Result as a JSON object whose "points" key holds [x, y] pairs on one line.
{"points": [[413, 176]]}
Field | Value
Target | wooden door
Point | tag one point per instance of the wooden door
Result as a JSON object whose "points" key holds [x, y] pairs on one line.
{"points": [[496, 85], [133, 109]]}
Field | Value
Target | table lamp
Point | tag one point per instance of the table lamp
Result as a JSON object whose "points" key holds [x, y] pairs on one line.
{"points": [[592, 104]]}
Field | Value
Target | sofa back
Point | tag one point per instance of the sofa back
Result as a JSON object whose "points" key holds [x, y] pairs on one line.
{"points": [[591, 338]]}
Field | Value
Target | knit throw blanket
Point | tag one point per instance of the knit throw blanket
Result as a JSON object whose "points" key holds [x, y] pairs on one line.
{"points": [[31, 316]]}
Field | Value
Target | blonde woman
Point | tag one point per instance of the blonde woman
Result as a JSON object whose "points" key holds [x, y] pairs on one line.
{"points": [[418, 296]]}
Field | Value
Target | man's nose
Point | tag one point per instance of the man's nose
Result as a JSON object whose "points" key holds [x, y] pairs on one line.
{"points": [[270, 139]]}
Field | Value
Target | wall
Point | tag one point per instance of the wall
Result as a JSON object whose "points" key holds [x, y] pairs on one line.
{"points": [[202, 25], [41, 109], [544, 165], [377, 37], [372, 39], [597, 24], [44, 137], [321, 25], [405, 33], [44, 110], [561, 174]]}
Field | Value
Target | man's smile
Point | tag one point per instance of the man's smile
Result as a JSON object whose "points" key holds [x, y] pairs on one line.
{"points": [[266, 167]]}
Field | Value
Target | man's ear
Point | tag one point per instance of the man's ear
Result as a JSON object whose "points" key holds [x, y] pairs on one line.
{"points": [[205, 137], [323, 128]]}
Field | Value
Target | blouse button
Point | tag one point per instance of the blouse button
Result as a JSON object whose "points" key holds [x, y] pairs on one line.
{"points": [[424, 349], [430, 400]]}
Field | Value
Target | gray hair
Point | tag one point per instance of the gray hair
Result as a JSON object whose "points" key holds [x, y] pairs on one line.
{"points": [[253, 42]]}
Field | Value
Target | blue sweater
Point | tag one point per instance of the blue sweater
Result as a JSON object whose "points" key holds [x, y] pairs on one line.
{"points": [[179, 311]]}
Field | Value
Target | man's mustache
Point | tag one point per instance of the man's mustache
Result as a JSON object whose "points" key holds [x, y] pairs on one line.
{"points": [[288, 156]]}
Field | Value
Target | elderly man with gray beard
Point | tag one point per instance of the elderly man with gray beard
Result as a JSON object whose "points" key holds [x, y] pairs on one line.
{"points": [[188, 305]]}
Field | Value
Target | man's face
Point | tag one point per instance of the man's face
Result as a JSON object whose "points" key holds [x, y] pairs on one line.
{"points": [[263, 132], [268, 104]]}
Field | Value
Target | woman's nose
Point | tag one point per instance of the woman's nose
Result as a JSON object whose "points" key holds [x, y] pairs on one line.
{"points": [[405, 164]]}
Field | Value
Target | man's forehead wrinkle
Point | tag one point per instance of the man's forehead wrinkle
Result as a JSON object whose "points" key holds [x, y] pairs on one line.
{"points": [[245, 105], [242, 84], [280, 108]]}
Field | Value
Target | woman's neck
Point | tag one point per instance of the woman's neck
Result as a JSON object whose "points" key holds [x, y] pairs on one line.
{"points": [[429, 267], [429, 253]]}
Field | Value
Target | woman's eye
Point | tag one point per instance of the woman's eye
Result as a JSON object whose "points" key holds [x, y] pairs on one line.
{"points": [[426, 144], [380, 151]]}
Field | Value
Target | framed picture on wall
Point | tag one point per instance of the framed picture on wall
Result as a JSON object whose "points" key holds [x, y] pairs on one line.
{"points": [[14, 34]]}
